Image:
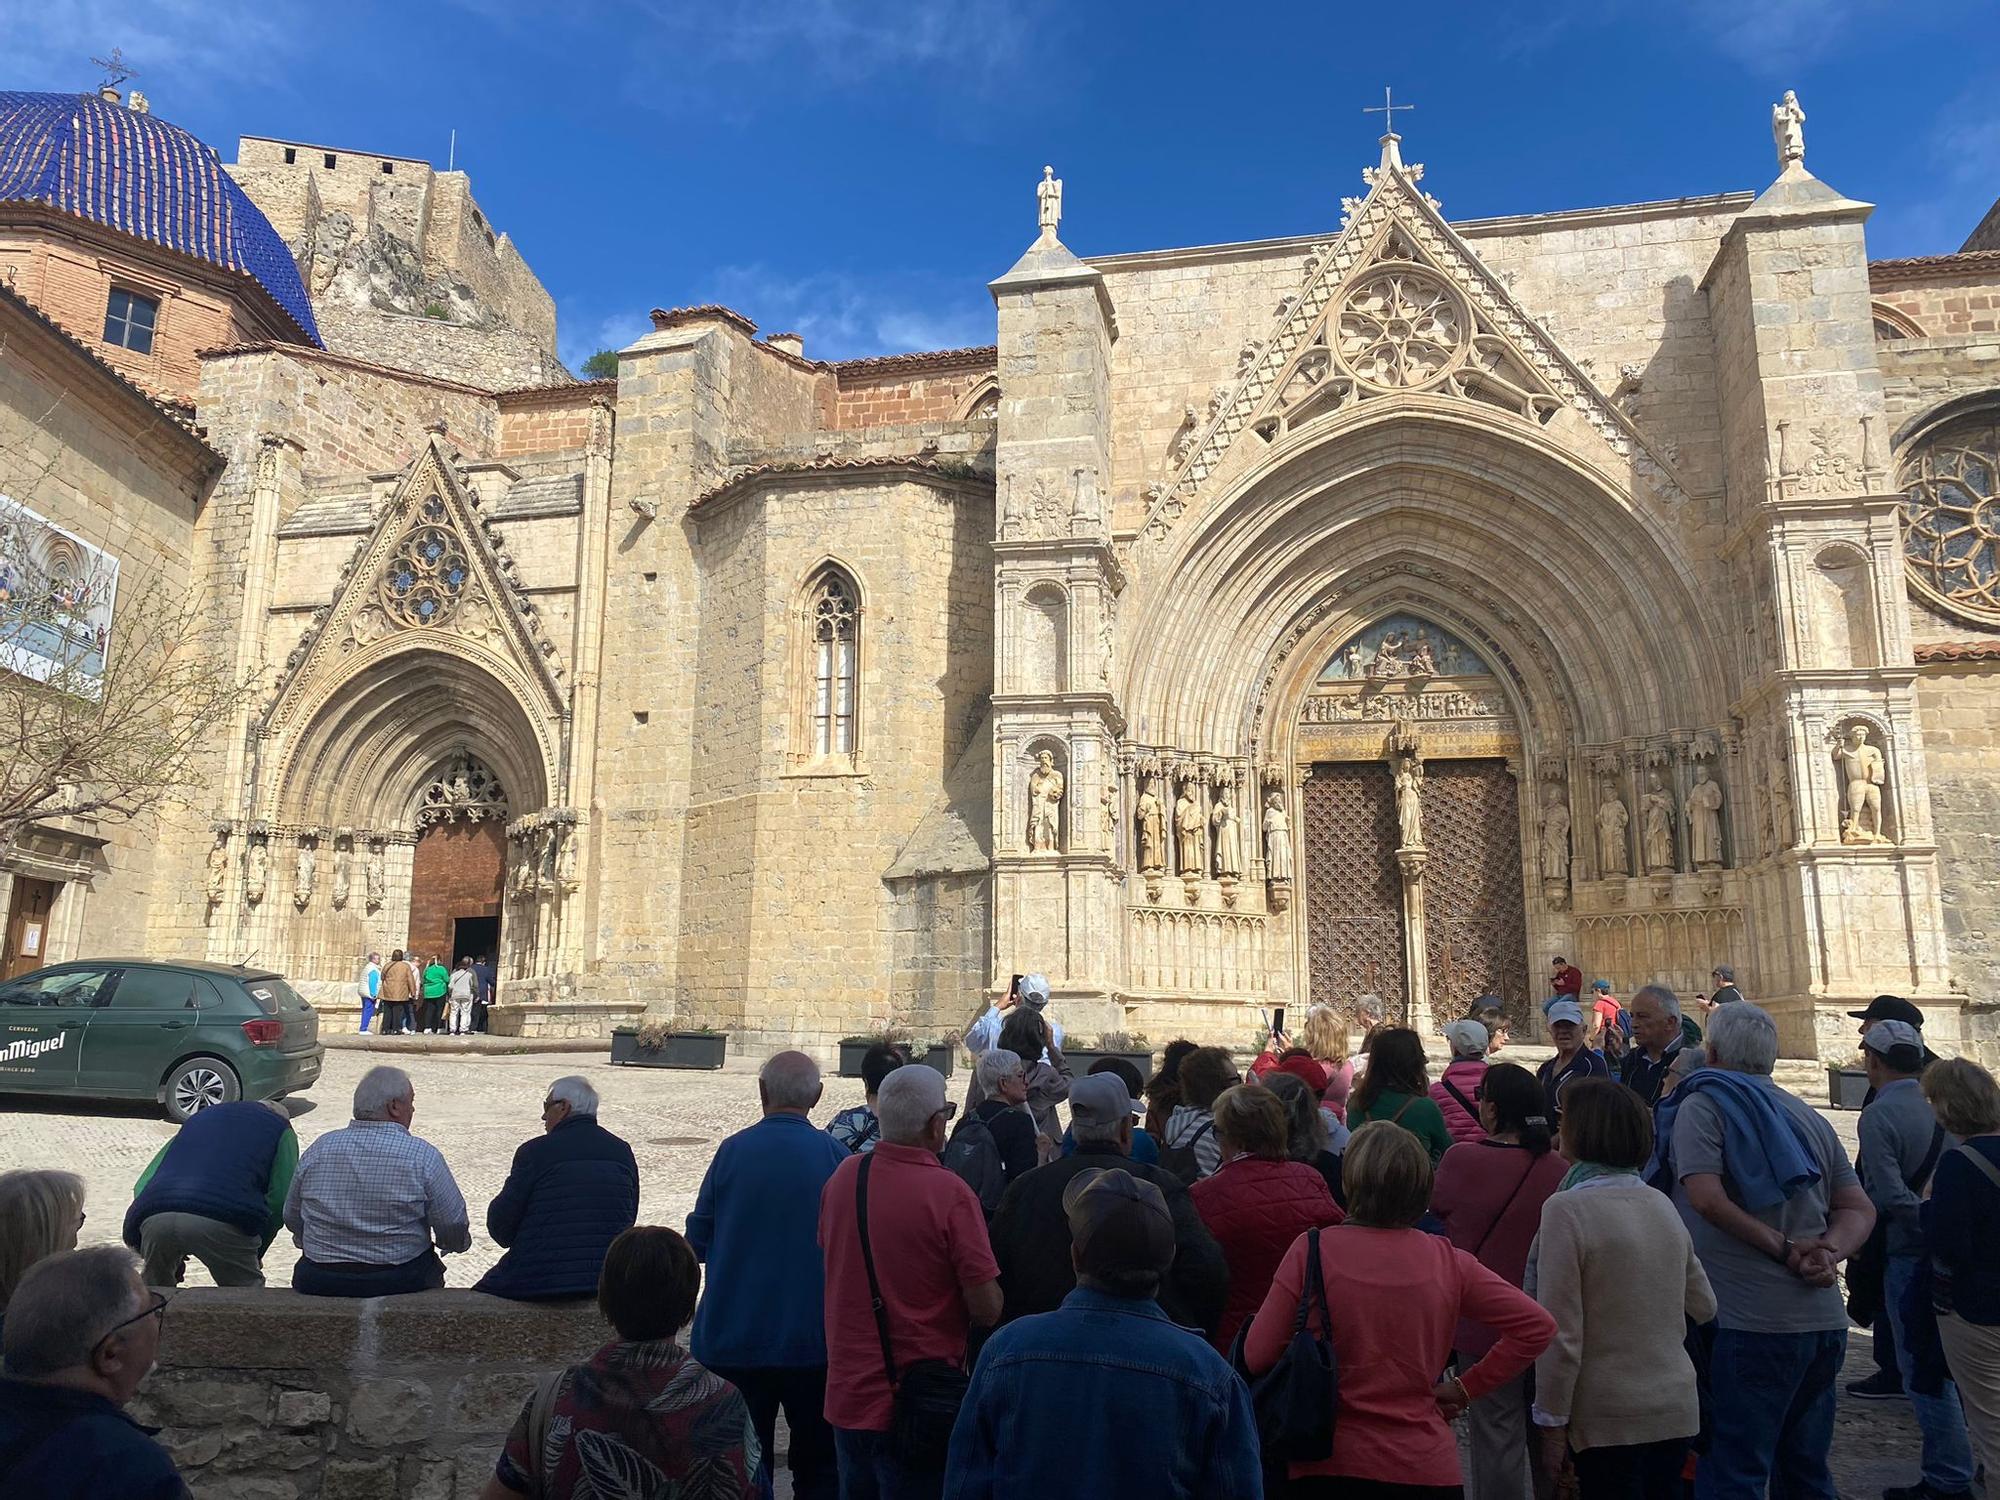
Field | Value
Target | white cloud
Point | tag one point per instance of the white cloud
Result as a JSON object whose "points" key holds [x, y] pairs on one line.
{"points": [[844, 317], [177, 49]]}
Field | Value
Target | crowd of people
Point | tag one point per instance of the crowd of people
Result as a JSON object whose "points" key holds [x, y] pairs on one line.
{"points": [[419, 996], [1621, 1271]]}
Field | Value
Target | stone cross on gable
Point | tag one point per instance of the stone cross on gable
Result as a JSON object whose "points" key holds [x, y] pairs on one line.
{"points": [[1387, 110]]}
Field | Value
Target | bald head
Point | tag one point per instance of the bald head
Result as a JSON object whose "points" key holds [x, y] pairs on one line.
{"points": [[788, 1083]]}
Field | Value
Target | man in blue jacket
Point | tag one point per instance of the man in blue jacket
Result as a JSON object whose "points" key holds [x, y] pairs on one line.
{"points": [[761, 1324], [570, 1193], [216, 1191]]}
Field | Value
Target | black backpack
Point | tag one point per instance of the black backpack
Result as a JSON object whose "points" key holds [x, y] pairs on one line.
{"points": [[1181, 1160], [975, 1156]]}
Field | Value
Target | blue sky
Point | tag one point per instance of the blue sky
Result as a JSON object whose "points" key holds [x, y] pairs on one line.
{"points": [[859, 169]]}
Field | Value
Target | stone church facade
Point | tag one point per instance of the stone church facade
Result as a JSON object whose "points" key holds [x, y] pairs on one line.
{"points": [[1378, 611]]}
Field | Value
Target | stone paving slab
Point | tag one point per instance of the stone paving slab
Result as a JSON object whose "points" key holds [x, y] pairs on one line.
{"points": [[477, 1103]]}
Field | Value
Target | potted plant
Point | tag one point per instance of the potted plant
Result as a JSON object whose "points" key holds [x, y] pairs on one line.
{"points": [[1134, 1048], [661, 1044], [854, 1048], [939, 1054], [1847, 1087]]}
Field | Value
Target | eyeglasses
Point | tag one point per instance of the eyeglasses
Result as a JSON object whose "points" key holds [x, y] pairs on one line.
{"points": [[156, 1309], [1478, 1093], [950, 1109]]}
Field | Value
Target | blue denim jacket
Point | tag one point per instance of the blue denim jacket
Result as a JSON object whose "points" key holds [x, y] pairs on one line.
{"points": [[1104, 1396]]}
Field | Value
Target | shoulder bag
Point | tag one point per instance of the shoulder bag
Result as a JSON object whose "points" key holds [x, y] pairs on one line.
{"points": [[1294, 1399], [1867, 1269], [926, 1397]]}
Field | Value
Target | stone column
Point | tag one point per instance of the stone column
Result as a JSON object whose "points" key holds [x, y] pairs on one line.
{"points": [[1416, 966], [1061, 914], [1813, 545]]}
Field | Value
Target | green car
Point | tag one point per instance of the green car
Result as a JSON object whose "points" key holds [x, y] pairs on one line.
{"points": [[185, 1034]]}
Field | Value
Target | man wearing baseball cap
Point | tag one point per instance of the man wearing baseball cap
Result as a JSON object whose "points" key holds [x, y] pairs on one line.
{"points": [[1901, 1142], [1031, 990], [1886, 1384], [1031, 1237], [1572, 1061], [1146, 1407]]}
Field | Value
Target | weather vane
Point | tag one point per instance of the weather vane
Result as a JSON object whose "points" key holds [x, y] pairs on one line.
{"points": [[116, 69], [1386, 109]]}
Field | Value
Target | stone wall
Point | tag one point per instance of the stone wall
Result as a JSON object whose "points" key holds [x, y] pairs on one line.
{"points": [[495, 358], [553, 419], [266, 1395], [1960, 704], [906, 388], [1954, 297]]}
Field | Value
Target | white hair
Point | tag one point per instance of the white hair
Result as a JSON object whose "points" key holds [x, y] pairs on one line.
{"points": [[790, 1080], [379, 1088], [1742, 1038], [1665, 998], [994, 1067], [906, 1101], [1371, 1007], [576, 1092]]}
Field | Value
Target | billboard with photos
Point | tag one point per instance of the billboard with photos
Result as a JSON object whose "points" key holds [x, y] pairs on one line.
{"points": [[57, 592]]}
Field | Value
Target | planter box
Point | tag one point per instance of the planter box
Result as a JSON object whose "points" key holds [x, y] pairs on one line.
{"points": [[851, 1053], [941, 1058], [689, 1049], [1846, 1087], [1080, 1059]]}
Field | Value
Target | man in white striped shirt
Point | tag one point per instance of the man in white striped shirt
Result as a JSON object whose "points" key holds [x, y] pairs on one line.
{"points": [[369, 1199]]}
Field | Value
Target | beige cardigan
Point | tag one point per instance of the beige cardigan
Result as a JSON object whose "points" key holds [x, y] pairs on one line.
{"points": [[1616, 1268]]}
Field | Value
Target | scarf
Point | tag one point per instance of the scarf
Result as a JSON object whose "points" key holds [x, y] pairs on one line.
{"points": [[1590, 1171]]}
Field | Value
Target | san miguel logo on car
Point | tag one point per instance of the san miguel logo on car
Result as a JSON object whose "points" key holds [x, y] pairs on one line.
{"points": [[15, 1051]]}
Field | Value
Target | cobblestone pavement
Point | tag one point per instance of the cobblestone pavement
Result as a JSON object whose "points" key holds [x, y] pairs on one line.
{"points": [[478, 1108]]}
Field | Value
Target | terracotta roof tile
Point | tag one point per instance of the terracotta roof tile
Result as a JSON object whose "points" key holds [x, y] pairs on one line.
{"points": [[1921, 267], [1958, 651], [932, 359], [941, 469], [707, 312]]}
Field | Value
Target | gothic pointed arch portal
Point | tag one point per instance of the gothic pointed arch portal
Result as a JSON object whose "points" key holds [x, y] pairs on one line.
{"points": [[411, 809]]}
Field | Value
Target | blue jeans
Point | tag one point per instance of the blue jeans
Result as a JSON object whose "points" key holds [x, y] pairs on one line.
{"points": [[1772, 1422], [869, 1471], [367, 1013], [1947, 1449]]}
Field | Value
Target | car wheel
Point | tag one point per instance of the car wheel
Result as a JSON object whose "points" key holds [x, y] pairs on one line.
{"points": [[196, 1084]]}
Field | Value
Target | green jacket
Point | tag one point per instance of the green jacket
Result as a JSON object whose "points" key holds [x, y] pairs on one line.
{"points": [[437, 979], [1417, 1114]]}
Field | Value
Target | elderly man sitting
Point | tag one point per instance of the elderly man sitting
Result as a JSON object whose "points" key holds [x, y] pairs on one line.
{"points": [[82, 1334], [369, 1198], [571, 1191]]}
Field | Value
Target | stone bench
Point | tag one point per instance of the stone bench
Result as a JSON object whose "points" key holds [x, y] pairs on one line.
{"points": [[263, 1394]]}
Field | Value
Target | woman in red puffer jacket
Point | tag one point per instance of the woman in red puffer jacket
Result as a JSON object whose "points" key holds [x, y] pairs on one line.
{"points": [[1457, 1092], [1258, 1202]]}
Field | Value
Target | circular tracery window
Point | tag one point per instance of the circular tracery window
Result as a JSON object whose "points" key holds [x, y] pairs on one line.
{"points": [[428, 572], [1401, 328], [1951, 516]]}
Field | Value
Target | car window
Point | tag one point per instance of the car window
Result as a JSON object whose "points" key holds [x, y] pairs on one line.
{"points": [[155, 989], [65, 988]]}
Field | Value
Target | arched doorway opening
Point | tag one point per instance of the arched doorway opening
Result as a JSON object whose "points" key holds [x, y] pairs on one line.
{"points": [[458, 867]]}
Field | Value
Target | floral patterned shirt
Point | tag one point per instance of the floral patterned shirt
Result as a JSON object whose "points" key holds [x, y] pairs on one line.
{"points": [[640, 1420]]}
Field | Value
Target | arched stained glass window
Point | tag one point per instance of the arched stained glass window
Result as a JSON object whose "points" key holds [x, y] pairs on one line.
{"points": [[833, 618]]}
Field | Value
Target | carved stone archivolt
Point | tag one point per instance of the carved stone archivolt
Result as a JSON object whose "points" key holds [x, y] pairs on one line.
{"points": [[463, 789]]}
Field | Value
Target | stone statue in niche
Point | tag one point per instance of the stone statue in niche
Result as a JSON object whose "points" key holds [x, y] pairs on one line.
{"points": [[1863, 770], [304, 866], [1788, 130], [566, 861], [1228, 839], [1277, 838], [1555, 835], [256, 871], [1781, 803], [1704, 807], [1107, 799], [375, 878], [1614, 855], [218, 866], [343, 877], [1045, 794], [1151, 818], [1409, 803], [1656, 810], [1189, 823]]}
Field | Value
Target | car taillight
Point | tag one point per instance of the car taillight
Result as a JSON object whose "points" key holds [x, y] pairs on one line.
{"points": [[264, 1033]]}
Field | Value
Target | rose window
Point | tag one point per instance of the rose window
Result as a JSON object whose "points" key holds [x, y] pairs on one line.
{"points": [[1951, 517], [429, 571], [1401, 328]]}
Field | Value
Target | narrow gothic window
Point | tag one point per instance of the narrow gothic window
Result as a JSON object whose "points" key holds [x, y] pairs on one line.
{"points": [[833, 619]]}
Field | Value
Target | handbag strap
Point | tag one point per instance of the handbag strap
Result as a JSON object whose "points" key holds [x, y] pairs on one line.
{"points": [[1930, 1159], [868, 1260], [1463, 1103], [1315, 1288], [1978, 1159], [1397, 1117], [1528, 1172], [541, 1409]]}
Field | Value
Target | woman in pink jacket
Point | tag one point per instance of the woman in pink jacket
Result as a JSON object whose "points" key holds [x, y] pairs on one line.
{"points": [[1395, 1295], [1456, 1092]]}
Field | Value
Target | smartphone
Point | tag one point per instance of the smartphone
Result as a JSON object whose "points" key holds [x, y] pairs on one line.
{"points": [[1278, 1021], [1014, 986]]}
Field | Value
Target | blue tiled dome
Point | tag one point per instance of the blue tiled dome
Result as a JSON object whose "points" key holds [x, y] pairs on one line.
{"points": [[137, 174]]}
